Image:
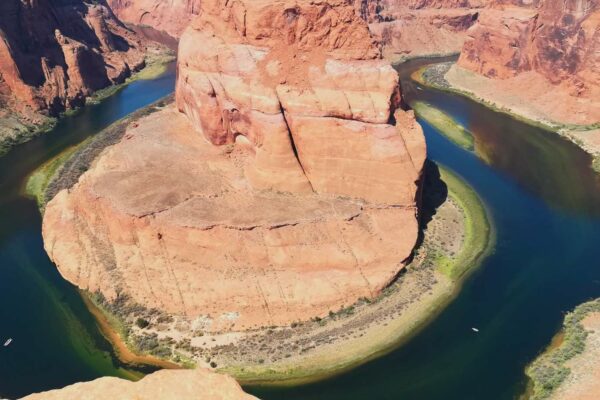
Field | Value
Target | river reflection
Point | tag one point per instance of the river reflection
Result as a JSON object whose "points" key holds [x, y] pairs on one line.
{"points": [[542, 162]]}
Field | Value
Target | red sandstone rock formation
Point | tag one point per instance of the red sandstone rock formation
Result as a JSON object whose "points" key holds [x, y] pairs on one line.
{"points": [[171, 16], [410, 28], [303, 79], [560, 40], [161, 385], [287, 190], [55, 53]]}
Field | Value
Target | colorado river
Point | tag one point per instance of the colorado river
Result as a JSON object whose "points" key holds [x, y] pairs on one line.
{"points": [[539, 188], [544, 200], [55, 338]]}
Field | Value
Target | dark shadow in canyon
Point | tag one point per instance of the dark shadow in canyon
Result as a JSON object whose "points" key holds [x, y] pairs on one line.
{"points": [[435, 193]]}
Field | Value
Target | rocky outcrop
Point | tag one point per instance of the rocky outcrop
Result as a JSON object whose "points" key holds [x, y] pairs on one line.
{"points": [[161, 385], [287, 188], [171, 16], [559, 40], [297, 89], [54, 53], [412, 28]]}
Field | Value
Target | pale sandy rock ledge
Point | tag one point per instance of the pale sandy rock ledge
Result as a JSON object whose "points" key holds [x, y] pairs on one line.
{"points": [[198, 384]]}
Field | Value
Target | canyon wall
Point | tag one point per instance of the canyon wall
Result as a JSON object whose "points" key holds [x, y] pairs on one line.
{"points": [[163, 385], [412, 28], [286, 187], [54, 53], [170, 16], [559, 40], [405, 28]]}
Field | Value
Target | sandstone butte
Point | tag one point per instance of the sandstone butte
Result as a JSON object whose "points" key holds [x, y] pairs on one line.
{"points": [[546, 53], [55, 53], [200, 384], [283, 185], [171, 17]]}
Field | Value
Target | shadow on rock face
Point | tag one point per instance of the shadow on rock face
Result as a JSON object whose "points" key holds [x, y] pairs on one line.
{"points": [[435, 193]]}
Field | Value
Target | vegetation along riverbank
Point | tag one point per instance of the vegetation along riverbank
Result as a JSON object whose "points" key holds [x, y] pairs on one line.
{"points": [[569, 367], [585, 136], [445, 124]]}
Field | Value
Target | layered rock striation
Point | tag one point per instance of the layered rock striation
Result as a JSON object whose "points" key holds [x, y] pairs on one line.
{"points": [[282, 186], [552, 46], [161, 385], [55, 53], [405, 28], [171, 16], [414, 28]]}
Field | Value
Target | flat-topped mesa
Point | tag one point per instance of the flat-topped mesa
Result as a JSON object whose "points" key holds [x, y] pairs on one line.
{"points": [[286, 189], [560, 40], [303, 82]]}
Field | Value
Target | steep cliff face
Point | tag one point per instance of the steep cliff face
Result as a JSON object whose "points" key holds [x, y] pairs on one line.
{"points": [[310, 73], [171, 16], [161, 385], [410, 28], [287, 187], [54, 53], [559, 40]]}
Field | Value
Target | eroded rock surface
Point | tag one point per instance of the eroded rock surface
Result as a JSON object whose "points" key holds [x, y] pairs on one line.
{"points": [[287, 188], [557, 42], [55, 53], [412, 28], [169, 16], [161, 385]]}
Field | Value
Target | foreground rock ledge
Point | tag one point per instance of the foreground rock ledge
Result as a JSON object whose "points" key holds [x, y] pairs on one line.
{"points": [[163, 385], [284, 191]]}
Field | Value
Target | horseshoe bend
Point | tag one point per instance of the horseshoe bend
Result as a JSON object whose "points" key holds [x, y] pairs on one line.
{"points": [[283, 182]]}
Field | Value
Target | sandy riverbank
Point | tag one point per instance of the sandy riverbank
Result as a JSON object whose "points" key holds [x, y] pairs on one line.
{"points": [[569, 369], [445, 124], [538, 106], [121, 349]]}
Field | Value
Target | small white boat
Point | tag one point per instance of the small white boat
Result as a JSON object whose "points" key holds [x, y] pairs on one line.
{"points": [[419, 88], [9, 341], [475, 329]]}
